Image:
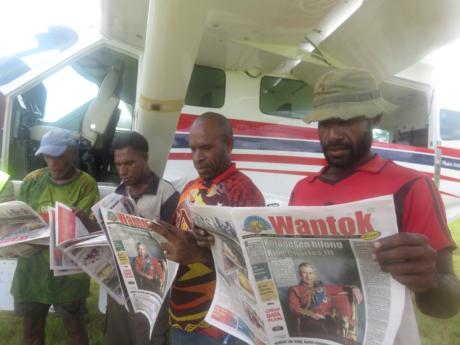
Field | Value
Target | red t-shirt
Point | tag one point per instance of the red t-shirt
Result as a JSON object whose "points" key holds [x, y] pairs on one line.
{"points": [[419, 207], [193, 289]]}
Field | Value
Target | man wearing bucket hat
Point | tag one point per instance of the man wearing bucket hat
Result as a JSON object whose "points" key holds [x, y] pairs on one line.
{"points": [[347, 105], [34, 287]]}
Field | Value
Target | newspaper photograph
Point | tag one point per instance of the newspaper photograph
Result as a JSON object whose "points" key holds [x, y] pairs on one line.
{"points": [[146, 274], [303, 275], [22, 230]]}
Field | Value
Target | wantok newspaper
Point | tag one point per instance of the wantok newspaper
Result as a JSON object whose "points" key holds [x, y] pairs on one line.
{"points": [[303, 275], [146, 274], [22, 230]]}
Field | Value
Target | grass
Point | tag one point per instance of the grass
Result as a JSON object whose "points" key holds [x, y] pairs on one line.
{"points": [[439, 331], [432, 331], [11, 326]]}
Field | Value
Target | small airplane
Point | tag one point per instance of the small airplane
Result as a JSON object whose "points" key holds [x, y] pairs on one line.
{"points": [[154, 66]]}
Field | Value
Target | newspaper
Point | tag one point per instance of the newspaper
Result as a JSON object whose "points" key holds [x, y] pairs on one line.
{"points": [[145, 273], [95, 257], [115, 202], [22, 230], [303, 275], [65, 228]]}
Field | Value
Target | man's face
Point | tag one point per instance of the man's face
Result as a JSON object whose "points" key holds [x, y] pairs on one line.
{"points": [[131, 165], [140, 250], [345, 142], [211, 155], [61, 167], [307, 275]]}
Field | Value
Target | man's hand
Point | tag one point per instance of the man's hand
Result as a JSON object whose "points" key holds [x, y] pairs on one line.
{"points": [[90, 224], [181, 245], [410, 260], [203, 238]]}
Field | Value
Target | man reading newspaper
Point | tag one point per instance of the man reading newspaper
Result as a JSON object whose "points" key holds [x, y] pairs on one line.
{"points": [[35, 287], [155, 198], [219, 183], [348, 105]]}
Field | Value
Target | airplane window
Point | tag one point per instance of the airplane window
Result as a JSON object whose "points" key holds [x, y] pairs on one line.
{"points": [[206, 87], [285, 97], [381, 135], [449, 124], [66, 91]]}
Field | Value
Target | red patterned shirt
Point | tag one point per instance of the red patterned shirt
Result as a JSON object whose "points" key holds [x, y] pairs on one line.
{"points": [[193, 289]]}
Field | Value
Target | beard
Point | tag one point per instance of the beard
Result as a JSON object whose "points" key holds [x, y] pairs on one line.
{"points": [[352, 153]]}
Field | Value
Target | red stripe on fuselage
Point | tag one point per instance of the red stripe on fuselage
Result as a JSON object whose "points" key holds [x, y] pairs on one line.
{"points": [[259, 129], [450, 152], [274, 130], [259, 158]]}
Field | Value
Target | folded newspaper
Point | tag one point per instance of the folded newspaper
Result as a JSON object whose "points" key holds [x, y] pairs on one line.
{"points": [[93, 254], [126, 259], [303, 275], [65, 229], [145, 273], [22, 230]]}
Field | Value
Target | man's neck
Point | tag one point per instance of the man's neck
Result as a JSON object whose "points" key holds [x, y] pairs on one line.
{"points": [[334, 173], [208, 182], [135, 190], [67, 178]]}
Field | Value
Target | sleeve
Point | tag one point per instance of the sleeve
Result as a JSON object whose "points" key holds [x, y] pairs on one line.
{"points": [[137, 266], [90, 195], [423, 212], [169, 207], [294, 301]]}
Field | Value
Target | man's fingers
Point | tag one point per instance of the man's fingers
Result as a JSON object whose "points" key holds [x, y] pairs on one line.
{"points": [[164, 229], [401, 239], [168, 250], [204, 244], [409, 267], [417, 283], [404, 253]]}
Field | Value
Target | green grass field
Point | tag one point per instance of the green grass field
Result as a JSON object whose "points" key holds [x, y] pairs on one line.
{"points": [[438, 331], [432, 331]]}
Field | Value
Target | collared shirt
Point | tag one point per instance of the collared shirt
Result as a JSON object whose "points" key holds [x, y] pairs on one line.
{"points": [[193, 289], [418, 206], [158, 200]]}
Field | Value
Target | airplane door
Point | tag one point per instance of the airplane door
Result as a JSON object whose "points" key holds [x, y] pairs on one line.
{"points": [[92, 94]]}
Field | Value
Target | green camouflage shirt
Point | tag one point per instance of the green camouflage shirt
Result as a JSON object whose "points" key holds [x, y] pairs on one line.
{"points": [[33, 280]]}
